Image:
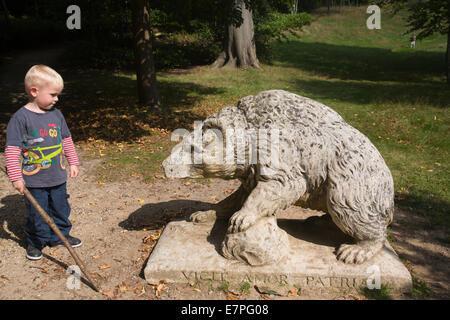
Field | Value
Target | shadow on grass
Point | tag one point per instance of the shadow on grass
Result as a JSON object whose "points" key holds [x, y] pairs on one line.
{"points": [[361, 63], [424, 203], [367, 75], [434, 94], [417, 247]]}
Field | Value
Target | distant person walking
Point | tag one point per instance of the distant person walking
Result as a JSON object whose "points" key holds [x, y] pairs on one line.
{"points": [[413, 41]]}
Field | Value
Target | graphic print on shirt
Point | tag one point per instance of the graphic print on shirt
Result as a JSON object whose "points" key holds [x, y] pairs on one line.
{"points": [[36, 157]]}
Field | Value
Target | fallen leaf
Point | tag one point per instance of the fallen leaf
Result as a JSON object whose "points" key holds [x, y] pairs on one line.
{"points": [[230, 297], [104, 266], [122, 288], [293, 293], [150, 237], [160, 289], [236, 293], [356, 298], [141, 292], [45, 270], [108, 293]]}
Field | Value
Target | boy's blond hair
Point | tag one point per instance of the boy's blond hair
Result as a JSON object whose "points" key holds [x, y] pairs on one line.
{"points": [[40, 75]]}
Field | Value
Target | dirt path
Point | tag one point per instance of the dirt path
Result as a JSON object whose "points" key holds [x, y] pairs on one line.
{"points": [[119, 224]]}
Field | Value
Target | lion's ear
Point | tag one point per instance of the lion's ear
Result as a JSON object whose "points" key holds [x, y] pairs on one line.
{"points": [[212, 123]]}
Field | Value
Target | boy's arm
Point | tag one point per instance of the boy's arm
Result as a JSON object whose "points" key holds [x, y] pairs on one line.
{"points": [[71, 155], [12, 155], [70, 152]]}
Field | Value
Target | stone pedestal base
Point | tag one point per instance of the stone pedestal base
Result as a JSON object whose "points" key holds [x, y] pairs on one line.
{"points": [[189, 252]]}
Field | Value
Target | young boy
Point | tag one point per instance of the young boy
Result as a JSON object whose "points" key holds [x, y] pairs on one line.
{"points": [[39, 132]]}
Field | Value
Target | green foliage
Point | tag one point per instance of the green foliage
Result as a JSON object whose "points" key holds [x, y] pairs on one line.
{"points": [[223, 286], [420, 289], [245, 288], [272, 26], [384, 293], [427, 17]]}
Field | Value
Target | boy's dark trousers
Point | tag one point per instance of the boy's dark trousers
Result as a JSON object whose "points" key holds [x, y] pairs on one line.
{"points": [[54, 201]]}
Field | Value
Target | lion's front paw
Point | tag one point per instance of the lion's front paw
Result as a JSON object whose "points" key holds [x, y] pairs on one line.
{"points": [[203, 216], [241, 221], [358, 253]]}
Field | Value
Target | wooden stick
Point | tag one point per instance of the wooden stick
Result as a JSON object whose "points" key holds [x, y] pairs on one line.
{"points": [[48, 220]]}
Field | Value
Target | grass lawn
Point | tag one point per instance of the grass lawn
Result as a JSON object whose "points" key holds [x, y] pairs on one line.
{"points": [[395, 95]]}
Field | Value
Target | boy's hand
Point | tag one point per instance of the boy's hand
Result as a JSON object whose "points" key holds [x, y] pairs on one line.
{"points": [[19, 185], [74, 171]]}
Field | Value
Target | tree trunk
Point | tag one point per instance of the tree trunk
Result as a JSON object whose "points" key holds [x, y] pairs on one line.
{"points": [[295, 7], [447, 57], [143, 54], [239, 47]]}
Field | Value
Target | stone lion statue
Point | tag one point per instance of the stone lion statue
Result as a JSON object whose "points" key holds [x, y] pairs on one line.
{"points": [[318, 161]]}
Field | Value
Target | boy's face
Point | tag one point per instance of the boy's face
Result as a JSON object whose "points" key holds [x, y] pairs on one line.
{"points": [[45, 96]]}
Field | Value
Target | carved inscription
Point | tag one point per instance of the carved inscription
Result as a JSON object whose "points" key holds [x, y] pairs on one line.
{"points": [[258, 278]]}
